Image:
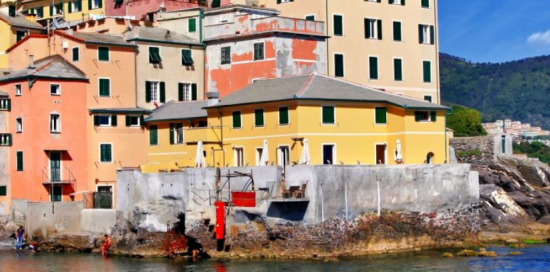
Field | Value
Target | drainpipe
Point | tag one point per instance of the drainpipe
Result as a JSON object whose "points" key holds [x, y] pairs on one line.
{"points": [[449, 113], [201, 15], [327, 40]]}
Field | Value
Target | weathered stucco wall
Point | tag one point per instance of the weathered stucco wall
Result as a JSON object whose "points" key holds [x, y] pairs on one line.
{"points": [[43, 221], [4, 166], [98, 220]]}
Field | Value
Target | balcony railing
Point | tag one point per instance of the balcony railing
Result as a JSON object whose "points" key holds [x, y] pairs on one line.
{"points": [[50, 177]]}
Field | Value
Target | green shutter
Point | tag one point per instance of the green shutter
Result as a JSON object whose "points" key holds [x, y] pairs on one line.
{"points": [[10, 139], [283, 116], [51, 10], [147, 92], [236, 119], [215, 4], [373, 67], [20, 166], [310, 18], [417, 116], [338, 65], [100, 4], [154, 55], [381, 115], [398, 69], [397, 31], [60, 7], [194, 91], [128, 121], [366, 22], [328, 115], [379, 25], [11, 11], [76, 53], [104, 87], [103, 54], [142, 121], [425, 3], [186, 58], [432, 34], [192, 25], [3, 191], [180, 91], [106, 153], [114, 120], [162, 92], [90, 4], [433, 116], [259, 118], [427, 67], [70, 7], [40, 12], [96, 120], [153, 135], [420, 33], [402, 2], [338, 25], [9, 105], [171, 134]]}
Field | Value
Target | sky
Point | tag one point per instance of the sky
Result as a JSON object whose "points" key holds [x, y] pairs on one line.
{"points": [[494, 30]]}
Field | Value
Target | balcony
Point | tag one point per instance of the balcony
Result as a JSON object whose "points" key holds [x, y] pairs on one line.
{"points": [[206, 135], [55, 177]]}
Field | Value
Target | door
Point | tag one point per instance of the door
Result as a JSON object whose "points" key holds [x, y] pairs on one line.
{"points": [[328, 154], [284, 155], [57, 193], [381, 154], [104, 197], [55, 166], [503, 144], [239, 157]]}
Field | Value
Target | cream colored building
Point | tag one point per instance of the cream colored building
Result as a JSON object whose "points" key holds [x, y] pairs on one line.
{"points": [[385, 44]]}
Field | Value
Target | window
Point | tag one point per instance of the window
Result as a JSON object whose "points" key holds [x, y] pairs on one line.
{"points": [[373, 68], [310, 18], [259, 51], [283, 116], [239, 156], [186, 58], [381, 115], [425, 116], [105, 153], [155, 91], [5, 104], [176, 134], [5, 140], [426, 34], [39, 12], [328, 154], [373, 29], [259, 118], [427, 68], [328, 115], [426, 3], [105, 120], [338, 65], [398, 69], [103, 53], [428, 98], [19, 166], [184, 93], [259, 152], [55, 123], [283, 156], [95, 4], [397, 2], [3, 191], [192, 25], [76, 54], [19, 35], [397, 36], [18, 89], [154, 55], [19, 125], [104, 87], [153, 135], [203, 124], [12, 11], [134, 120], [56, 9], [226, 55], [236, 119], [284, 1], [75, 6], [55, 89], [338, 25]]}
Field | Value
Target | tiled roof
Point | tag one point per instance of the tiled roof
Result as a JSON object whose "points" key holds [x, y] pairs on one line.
{"points": [[54, 67], [99, 38], [318, 87], [19, 20], [179, 111], [156, 34], [120, 110], [3, 94]]}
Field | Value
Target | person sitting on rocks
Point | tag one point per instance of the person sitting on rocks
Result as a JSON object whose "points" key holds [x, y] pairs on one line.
{"points": [[106, 246]]}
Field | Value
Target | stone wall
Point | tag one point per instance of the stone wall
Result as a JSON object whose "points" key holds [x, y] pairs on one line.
{"points": [[482, 150]]}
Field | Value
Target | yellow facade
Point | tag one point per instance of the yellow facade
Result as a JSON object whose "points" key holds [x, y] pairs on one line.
{"points": [[9, 38], [72, 13], [354, 136]]}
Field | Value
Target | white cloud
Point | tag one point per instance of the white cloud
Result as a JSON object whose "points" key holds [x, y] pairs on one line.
{"points": [[540, 37]]}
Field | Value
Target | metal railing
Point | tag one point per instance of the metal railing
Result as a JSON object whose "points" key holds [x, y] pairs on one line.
{"points": [[57, 177]]}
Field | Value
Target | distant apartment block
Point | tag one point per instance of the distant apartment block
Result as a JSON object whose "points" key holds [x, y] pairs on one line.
{"points": [[515, 128]]}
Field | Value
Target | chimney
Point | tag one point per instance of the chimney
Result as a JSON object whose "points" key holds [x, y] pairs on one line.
{"points": [[31, 61], [213, 98]]}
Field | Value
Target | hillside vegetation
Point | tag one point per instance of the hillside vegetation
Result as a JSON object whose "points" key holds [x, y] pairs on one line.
{"points": [[465, 122], [533, 150], [519, 90]]}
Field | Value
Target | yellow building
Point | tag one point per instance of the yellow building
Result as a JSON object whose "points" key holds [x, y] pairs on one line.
{"points": [[69, 10], [339, 122], [13, 27]]}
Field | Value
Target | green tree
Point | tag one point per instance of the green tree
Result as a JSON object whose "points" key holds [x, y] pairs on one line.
{"points": [[465, 122]]}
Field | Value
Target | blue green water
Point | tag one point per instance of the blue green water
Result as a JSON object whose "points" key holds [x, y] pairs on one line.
{"points": [[536, 258]]}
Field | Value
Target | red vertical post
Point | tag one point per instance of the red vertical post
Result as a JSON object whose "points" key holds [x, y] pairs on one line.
{"points": [[220, 220]]}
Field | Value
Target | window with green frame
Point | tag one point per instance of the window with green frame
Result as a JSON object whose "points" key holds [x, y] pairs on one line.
{"points": [[328, 115], [426, 3], [381, 115], [192, 25], [338, 65], [397, 36], [237, 119], [428, 98], [310, 18], [153, 135], [259, 117], [20, 161], [338, 25], [186, 58], [19, 35], [154, 55], [427, 68], [103, 53], [104, 87], [398, 69], [106, 153], [283, 116], [373, 67]]}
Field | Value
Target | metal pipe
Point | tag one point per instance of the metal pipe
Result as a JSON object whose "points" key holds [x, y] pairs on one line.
{"points": [[449, 113]]}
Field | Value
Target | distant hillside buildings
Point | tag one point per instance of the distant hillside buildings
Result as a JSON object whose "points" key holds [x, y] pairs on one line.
{"points": [[515, 128]]}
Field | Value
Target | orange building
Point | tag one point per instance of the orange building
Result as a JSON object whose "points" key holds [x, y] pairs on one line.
{"points": [[47, 123]]}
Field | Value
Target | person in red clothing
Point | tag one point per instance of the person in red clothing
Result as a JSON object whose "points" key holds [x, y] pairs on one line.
{"points": [[106, 246]]}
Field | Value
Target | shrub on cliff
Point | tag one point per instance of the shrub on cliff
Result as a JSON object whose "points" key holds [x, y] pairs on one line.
{"points": [[465, 122], [534, 150]]}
